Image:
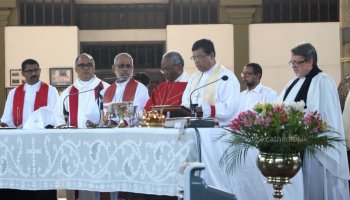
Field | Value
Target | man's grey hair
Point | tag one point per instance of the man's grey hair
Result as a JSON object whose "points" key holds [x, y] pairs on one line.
{"points": [[175, 57], [123, 54], [87, 55], [306, 50]]}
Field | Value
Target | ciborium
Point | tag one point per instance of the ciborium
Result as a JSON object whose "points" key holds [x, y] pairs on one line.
{"points": [[278, 169], [109, 114], [115, 111], [122, 111], [132, 111]]}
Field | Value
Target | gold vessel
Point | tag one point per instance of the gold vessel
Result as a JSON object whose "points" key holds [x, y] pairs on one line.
{"points": [[154, 119], [278, 169]]}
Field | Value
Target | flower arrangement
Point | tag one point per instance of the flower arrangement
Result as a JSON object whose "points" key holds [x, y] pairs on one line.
{"points": [[276, 128]]}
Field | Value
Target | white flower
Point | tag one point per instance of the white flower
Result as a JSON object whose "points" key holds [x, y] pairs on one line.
{"points": [[299, 106]]}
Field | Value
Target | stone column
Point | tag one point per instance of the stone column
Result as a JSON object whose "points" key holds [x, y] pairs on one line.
{"points": [[344, 19], [6, 8], [240, 13], [3, 22]]}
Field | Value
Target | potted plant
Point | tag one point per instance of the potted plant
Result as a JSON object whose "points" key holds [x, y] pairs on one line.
{"points": [[281, 133]]}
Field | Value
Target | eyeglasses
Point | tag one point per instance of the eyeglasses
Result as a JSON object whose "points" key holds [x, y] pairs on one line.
{"points": [[32, 70], [85, 66], [295, 63], [198, 58], [121, 66], [244, 74]]}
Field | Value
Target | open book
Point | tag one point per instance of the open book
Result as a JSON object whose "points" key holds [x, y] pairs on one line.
{"points": [[174, 111]]}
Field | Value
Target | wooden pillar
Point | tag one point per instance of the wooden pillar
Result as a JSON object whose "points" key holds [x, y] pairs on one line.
{"points": [[240, 13], [6, 8], [344, 19], [3, 22]]}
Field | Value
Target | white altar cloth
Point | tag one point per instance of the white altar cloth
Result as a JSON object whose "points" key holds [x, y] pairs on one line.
{"points": [[141, 160]]}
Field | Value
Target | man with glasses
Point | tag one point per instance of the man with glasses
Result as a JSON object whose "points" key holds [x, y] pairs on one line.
{"points": [[255, 91], [21, 102], [170, 92], [126, 88], [220, 99], [28, 97], [326, 174], [80, 103], [248, 178]]}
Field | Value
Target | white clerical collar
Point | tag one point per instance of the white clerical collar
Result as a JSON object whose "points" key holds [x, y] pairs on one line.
{"points": [[212, 68], [182, 76], [257, 88], [123, 83], [90, 84], [207, 73], [35, 86], [86, 83]]}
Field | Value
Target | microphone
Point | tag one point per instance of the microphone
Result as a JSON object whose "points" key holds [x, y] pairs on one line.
{"points": [[65, 111], [193, 106]]}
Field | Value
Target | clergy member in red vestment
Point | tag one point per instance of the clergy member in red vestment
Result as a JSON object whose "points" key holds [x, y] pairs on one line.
{"points": [[170, 92], [28, 97], [125, 87], [21, 102], [81, 102], [82, 110]]}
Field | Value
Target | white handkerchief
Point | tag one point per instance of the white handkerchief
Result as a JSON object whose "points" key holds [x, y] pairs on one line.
{"points": [[39, 119]]}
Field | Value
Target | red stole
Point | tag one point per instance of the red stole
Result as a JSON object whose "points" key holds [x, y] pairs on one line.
{"points": [[18, 101], [129, 92], [74, 102], [167, 93]]}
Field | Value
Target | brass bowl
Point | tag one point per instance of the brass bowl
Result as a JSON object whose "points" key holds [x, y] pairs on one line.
{"points": [[284, 166], [154, 119], [278, 169]]}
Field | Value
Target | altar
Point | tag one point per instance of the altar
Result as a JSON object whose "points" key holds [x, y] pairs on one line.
{"points": [[140, 160]]}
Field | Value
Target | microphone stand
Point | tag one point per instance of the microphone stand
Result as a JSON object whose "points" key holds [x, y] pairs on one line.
{"points": [[100, 99], [194, 106], [67, 113]]}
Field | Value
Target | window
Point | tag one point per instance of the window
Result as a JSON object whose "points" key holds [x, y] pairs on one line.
{"points": [[145, 55], [300, 11]]}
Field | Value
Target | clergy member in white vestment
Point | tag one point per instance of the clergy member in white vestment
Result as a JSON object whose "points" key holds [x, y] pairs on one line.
{"points": [[219, 100], [21, 102], [326, 175], [126, 88], [247, 181], [255, 91], [81, 100], [81, 103], [28, 97], [346, 119]]}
